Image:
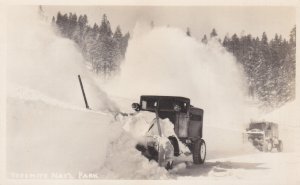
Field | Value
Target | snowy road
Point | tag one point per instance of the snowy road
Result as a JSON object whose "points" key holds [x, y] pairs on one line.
{"points": [[264, 168], [244, 166], [46, 123]]}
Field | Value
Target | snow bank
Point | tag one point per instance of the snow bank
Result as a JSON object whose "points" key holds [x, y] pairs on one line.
{"points": [[43, 138], [123, 160], [51, 137]]}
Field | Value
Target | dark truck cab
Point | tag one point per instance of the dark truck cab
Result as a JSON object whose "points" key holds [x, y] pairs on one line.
{"points": [[187, 120]]}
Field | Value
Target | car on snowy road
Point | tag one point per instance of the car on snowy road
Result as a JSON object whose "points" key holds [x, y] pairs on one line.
{"points": [[187, 123], [264, 136]]}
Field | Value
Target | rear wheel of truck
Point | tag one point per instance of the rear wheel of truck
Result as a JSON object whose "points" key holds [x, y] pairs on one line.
{"points": [[280, 146], [269, 146], [199, 151], [169, 165]]}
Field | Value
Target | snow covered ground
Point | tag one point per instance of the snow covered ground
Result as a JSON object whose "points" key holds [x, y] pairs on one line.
{"points": [[260, 168], [54, 138]]}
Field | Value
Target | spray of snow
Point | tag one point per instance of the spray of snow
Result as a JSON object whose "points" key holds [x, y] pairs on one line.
{"points": [[164, 61], [40, 60], [143, 124]]}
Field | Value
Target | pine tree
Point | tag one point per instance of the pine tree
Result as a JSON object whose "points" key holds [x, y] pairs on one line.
{"points": [[118, 33], [82, 21], [95, 31], [213, 33], [118, 55], [204, 39], [105, 28], [235, 43], [72, 23], [42, 13], [53, 22], [293, 36], [226, 41], [290, 65], [188, 32], [124, 44], [59, 21], [152, 25]]}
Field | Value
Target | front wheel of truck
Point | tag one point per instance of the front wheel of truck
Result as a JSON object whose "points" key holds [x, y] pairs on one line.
{"points": [[199, 151]]}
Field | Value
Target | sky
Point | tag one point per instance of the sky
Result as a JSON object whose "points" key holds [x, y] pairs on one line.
{"points": [[200, 19]]}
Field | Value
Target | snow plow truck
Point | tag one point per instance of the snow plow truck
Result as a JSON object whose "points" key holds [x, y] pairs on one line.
{"points": [[264, 136], [187, 123]]}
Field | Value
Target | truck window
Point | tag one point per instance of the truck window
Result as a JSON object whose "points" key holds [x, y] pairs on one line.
{"points": [[195, 117], [144, 104], [149, 104]]}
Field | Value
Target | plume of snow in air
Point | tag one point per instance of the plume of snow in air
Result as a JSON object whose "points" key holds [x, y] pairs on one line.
{"points": [[40, 60], [165, 61]]}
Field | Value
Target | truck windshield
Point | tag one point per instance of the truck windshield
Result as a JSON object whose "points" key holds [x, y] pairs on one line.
{"points": [[164, 105], [259, 126], [170, 105]]}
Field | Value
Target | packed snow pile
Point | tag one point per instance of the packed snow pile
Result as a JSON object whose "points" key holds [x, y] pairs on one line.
{"points": [[45, 138], [124, 158], [55, 139], [144, 124]]}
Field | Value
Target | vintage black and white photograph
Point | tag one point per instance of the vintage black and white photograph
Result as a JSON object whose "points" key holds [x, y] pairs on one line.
{"points": [[152, 92]]}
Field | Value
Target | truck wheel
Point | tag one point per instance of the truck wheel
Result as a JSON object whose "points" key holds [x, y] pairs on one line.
{"points": [[175, 144], [199, 151], [169, 165], [269, 146], [265, 147], [280, 146]]}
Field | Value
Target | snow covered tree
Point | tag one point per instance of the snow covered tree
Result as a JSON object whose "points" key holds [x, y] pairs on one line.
{"points": [[188, 31], [72, 23], [118, 33], [293, 36], [213, 33], [105, 29], [268, 65], [53, 23], [124, 44], [204, 39], [42, 15], [234, 45], [152, 25], [226, 41]]}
